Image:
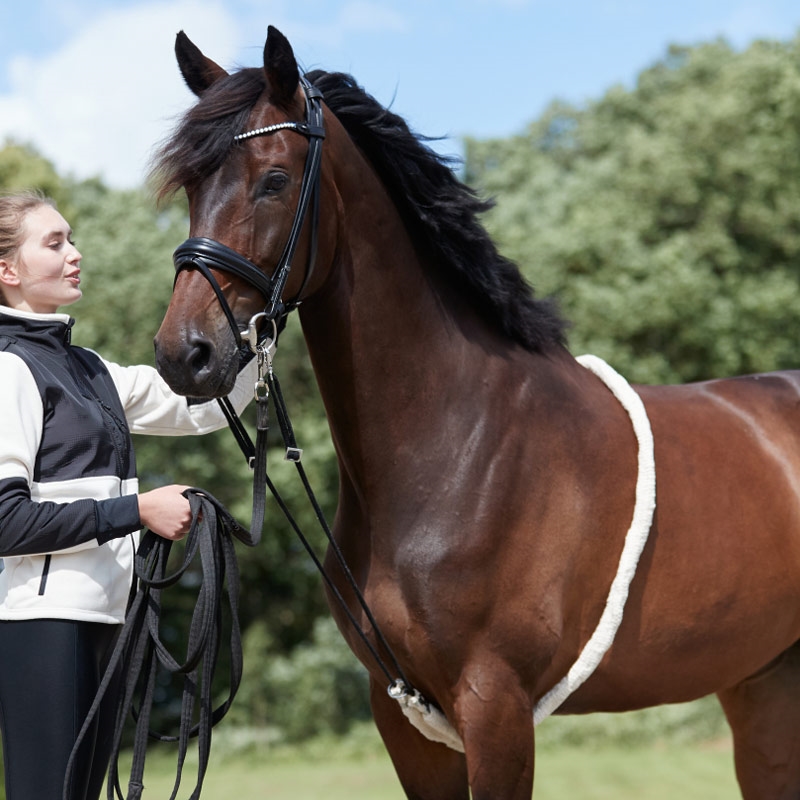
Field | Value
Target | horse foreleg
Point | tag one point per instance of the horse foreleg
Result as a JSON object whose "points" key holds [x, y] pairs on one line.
{"points": [[495, 718], [426, 770], [764, 715]]}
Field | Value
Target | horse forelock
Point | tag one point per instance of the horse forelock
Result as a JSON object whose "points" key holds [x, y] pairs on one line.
{"points": [[204, 137]]}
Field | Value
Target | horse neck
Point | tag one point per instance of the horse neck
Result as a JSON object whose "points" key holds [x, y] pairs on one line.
{"points": [[403, 364]]}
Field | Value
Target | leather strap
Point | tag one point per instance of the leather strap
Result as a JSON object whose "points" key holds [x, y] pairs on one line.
{"points": [[141, 651]]}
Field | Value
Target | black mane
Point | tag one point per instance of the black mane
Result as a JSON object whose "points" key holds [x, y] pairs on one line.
{"points": [[441, 212]]}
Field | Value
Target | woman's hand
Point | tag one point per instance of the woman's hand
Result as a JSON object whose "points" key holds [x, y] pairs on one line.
{"points": [[166, 512]]}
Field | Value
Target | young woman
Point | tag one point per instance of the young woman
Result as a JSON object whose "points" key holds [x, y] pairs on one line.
{"points": [[70, 510]]}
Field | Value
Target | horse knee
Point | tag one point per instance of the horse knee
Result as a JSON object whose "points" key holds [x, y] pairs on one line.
{"points": [[764, 715], [495, 719]]}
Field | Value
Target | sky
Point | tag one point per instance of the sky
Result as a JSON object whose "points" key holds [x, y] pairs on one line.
{"points": [[93, 84]]}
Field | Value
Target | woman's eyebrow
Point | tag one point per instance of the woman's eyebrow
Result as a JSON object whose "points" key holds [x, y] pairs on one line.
{"points": [[57, 232]]}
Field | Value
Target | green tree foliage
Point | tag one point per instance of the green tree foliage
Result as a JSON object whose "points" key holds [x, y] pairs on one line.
{"points": [[666, 218], [21, 167], [318, 689]]}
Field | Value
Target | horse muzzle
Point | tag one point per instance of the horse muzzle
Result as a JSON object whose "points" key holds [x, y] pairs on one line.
{"points": [[194, 364]]}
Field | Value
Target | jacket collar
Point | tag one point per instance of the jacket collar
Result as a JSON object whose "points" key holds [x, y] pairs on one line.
{"points": [[28, 323]]}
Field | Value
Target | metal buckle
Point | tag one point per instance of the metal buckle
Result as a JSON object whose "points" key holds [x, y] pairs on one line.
{"points": [[250, 334]]}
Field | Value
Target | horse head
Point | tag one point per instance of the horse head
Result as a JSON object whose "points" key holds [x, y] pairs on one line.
{"points": [[248, 155]]}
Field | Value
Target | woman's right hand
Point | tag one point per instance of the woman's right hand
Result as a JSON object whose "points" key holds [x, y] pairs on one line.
{"points": [[166, 511]]}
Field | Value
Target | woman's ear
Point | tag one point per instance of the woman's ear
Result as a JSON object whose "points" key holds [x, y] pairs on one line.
{"points": [[8, 273]]}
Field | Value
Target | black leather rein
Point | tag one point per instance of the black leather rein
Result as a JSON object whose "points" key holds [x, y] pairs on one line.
{"points": [[139, 651]]}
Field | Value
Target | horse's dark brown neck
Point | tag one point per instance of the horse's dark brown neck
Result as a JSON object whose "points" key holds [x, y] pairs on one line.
{"points": [[448, 434], [406, 368]]}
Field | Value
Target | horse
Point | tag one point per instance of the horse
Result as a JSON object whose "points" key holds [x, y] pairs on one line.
{"points": [[487, 478]]}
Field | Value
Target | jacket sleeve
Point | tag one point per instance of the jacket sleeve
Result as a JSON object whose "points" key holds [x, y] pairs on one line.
{"points": [[27, 526], [151, 407]]}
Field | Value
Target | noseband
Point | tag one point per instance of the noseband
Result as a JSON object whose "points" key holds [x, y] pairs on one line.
{"points": [[203, 254]]}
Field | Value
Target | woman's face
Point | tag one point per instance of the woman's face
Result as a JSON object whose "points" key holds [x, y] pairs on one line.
{"points": [[47, 265]]}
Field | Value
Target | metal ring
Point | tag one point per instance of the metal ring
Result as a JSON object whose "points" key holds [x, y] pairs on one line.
{"points": [[250, 334]]}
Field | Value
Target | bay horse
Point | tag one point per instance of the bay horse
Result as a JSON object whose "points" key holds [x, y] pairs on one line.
{"points": [[487, 478]]}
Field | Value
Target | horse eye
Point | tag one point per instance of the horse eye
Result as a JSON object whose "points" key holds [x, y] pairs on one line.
{"points": [[272, 183]]}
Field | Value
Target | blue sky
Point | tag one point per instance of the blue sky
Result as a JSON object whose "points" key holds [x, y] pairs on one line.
{"points": [[94, 86]]}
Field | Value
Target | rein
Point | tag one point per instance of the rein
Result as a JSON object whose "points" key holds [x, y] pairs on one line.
{"points": [[140, 651]]}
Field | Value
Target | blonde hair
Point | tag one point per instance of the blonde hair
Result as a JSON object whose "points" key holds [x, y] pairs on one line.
{"points": [[14, 207]]}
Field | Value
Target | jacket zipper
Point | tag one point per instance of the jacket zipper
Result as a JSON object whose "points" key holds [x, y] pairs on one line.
{"points": [[45, 573], [119, 441]]}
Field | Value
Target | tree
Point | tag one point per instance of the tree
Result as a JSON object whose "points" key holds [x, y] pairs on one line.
{"points": [[21, 167], [666, 218]]}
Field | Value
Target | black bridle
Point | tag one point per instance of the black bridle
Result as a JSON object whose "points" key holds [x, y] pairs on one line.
{"points": [[204, 254]]}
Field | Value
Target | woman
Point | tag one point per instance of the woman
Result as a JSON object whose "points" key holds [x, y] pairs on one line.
{"points": [[69, 508]]}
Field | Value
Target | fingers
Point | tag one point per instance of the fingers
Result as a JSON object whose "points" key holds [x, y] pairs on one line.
{"points": [[166, 511]]}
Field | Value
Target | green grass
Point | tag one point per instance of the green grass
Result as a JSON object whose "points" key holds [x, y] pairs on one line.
{"points": [[654, 772], [357, 768], [665, 752]]}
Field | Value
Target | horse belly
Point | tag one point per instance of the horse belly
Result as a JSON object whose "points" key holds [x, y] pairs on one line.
{"points": [[717, 592]]}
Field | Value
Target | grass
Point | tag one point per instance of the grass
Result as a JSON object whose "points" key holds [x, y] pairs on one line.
{"points": [[655, 772], [660, 753], [357, 768]]}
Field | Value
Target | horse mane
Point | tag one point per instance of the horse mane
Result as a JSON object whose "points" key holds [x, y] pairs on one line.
{"points": [[441, 212]]}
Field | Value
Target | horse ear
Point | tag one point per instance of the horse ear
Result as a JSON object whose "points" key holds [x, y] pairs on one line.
{"points": [[198, 71], [280, 68]]}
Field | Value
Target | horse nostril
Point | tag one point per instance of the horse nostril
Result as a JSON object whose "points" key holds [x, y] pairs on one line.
{"points": [[193, 364], [198, 354]]}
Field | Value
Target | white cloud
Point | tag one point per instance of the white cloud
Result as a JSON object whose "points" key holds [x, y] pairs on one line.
{"points": [[99, 105]]}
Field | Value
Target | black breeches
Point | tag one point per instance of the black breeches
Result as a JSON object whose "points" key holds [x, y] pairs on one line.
{"points": [[49, 673]]}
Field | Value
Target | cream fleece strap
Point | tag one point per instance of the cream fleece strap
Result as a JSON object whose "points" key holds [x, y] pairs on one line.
{"points": [[432, 723], [635, 540]]}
